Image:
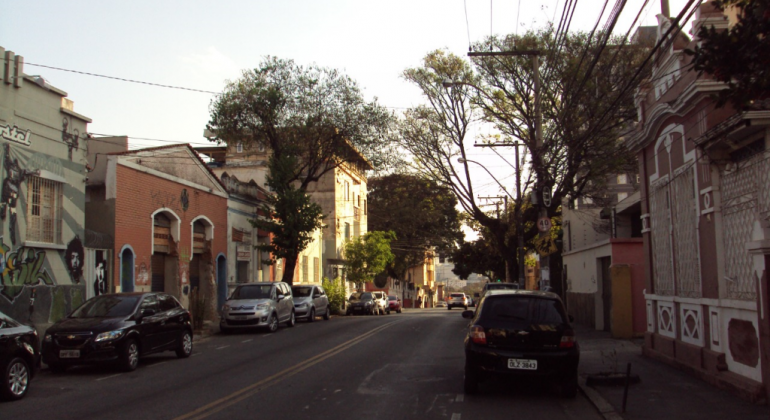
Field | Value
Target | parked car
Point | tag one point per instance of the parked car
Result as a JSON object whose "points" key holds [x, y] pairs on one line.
{"points": [[119, 328], [310, 301], [521, 334], [253, 305], [19, 357], [471, 302], [394, 303], [441, 304], [361, 303], [456, 299], [500, 286], [382, 302]]}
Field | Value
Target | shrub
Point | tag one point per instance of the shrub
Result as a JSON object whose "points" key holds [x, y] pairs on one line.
{"points": [[335, 290]]}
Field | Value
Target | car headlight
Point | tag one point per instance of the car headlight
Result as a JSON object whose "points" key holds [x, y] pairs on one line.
{"points": [[368, 303], [262, 306], [302, 305], [109, 335], [225, 307], [48, 338]]}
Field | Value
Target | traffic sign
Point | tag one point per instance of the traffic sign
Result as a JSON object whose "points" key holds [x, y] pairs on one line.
{"points": [[544, 224]]}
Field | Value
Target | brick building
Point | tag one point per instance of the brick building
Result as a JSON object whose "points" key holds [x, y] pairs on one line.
{"points": [[167, 213]]}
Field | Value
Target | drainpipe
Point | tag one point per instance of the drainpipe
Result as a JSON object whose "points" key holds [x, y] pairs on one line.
{"points": [[664, 9]]}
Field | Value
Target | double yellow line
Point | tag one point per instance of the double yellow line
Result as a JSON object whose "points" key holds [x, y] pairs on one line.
{"points": [[244, 393]]}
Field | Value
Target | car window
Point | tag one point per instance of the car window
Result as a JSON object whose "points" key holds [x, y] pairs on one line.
{"points": [[524, 309], [321, 291], [150, 302], [167, 303], [366, 296], [457, 295], [392, 298], [302, 291], [106, 307], [253, 292]]}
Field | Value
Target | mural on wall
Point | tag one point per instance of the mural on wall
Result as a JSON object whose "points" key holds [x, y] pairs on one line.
{"points": [[70, 137], [73, 259], [100, 268], [20, 268], [143, 277], [14, 176]]}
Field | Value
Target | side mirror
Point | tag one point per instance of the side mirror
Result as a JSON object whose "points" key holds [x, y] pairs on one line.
{"points": [[468, 314], [316, 295], [281, 297]]}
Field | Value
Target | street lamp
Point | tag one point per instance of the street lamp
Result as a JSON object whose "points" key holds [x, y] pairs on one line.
{"points": [[463, 160]]}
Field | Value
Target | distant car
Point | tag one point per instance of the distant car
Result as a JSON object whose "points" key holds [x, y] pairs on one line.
{"points": [[119, 328], [361, 303], [441, 304], [394, 303], [471, 302], [265, 304], [19, 357], [310, 301], [457, 300], [382, 302], [500, 286], [521, 334]]}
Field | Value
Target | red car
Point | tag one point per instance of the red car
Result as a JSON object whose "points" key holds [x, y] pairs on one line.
{"points": [[394, 303]]}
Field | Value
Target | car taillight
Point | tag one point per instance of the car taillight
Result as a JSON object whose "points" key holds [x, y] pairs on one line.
{"points": [[567, 339], [477, 335]]}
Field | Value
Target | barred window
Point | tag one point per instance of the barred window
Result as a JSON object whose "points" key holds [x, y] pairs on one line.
{"points": [[44, 210], [316, 273], [304, 269]]}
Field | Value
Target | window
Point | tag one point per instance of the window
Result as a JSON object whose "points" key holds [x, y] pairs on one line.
{"points": [[347, 230], [315, 270], [622, 179], [44, 210], [239, 147], [167, 303], [347, 191], [305, 268]]}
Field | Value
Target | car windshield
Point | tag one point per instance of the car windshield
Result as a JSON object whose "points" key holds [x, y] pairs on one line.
{"points": [[301, 291], [106, 307], [253, 292], [458, 295], [523, 308], [360, 296], [392, 298]]}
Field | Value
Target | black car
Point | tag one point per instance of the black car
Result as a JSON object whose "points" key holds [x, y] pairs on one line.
{"points": [[118, 328], [362, 303], [521, 333], [19, 357]]}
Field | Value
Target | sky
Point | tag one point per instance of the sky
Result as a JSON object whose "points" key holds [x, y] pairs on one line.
{"points": [[201, 44]]}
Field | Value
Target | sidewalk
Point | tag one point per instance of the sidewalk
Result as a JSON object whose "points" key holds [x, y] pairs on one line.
{"points": [[663, 393]]}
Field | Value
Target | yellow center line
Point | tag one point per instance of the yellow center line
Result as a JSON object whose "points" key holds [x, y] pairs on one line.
{"points": [[248, 391]]}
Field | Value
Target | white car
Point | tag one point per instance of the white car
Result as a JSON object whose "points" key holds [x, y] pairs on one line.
{"points": [[457, 299], [382, 302]]}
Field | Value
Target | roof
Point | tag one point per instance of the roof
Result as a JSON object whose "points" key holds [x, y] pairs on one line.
{"points": [[174, 146]]}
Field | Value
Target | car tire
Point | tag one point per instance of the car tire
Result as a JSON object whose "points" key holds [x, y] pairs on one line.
{"points": [[470, 381], [185, 345], [129, 355], [568, 386], [398, 311], [272, 323], [16, 377], [311, 315], [327, 314], [292, 320], [388, 312]]}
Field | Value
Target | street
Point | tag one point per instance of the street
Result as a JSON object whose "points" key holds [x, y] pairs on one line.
{"points": [[407, 365]]}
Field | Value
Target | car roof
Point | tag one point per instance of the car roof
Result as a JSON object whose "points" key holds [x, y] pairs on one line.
{"points": [[519, 292], [262, 283]]}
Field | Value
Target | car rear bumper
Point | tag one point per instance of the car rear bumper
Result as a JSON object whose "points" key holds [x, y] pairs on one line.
{"points": [[552, 364]]}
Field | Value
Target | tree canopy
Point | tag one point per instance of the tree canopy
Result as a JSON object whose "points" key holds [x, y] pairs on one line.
{"points": [[738, 56], [368, 255], [422, 214]]}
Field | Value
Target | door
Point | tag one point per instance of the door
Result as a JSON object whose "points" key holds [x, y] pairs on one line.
{"points": [[286, 304], [195, 274], [150, 329], [158, 264], [127, 271], [321, 302], [172, 322], [604, 266]]}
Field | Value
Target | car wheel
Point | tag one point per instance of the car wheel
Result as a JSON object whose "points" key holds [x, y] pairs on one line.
{"points": [[470, 381], [311, 317], [292, 321], [388, 312], [129, 357], [568, 386], [185, 345], [327, 314], [15, 379], [272, 323]]}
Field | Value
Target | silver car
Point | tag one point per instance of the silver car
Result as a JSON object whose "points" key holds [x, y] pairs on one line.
{"points": [[258, 305], [310, 301]]}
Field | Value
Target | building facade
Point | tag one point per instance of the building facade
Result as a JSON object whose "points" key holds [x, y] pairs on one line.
{"points": [[42, 252], [705, 208]]}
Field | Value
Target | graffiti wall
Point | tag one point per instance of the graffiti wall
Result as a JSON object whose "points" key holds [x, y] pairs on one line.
{"points": [[42, 200]]}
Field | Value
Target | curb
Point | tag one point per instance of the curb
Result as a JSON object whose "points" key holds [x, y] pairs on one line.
{"points": [[602, 406]]}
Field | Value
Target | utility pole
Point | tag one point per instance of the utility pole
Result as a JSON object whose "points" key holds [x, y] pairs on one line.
{"points": [[542, 210]]}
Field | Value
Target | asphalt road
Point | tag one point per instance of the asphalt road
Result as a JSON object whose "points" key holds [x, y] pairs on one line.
{"points": [[398, 366]]}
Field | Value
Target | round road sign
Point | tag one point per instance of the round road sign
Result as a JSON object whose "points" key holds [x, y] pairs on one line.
{"points": [[543, 224]]}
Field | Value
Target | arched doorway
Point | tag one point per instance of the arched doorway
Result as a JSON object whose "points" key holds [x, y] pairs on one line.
{"points": [[221, 280], [127, 270]]}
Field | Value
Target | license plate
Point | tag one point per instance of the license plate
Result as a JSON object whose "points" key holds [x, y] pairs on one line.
{"points": [[69, 354], [522, 364], [240, 317]]}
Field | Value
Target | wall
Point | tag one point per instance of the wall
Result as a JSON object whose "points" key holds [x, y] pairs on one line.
{"points": [[583, 283]]}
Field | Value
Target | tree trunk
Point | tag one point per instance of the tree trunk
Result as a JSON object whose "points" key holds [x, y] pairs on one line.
{"points": [[288, 270]]}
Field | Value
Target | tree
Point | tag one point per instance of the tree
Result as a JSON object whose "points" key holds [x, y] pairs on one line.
{"points": [[481, 257], [292, 216], [738, 56], [368, 255], [422, 214], [312, 120], [586, 106]]}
